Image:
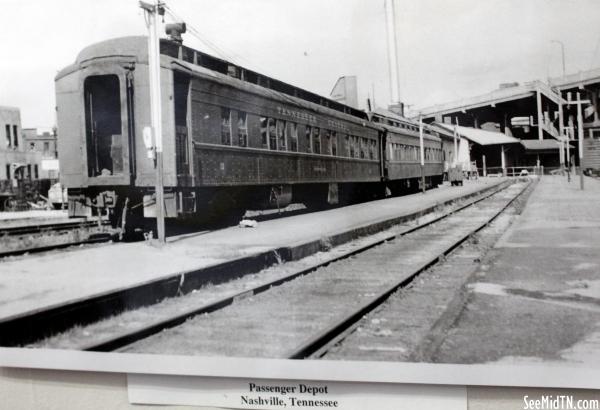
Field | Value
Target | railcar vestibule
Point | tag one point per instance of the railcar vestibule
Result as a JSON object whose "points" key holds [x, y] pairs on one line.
{"points": [[104, 139]]}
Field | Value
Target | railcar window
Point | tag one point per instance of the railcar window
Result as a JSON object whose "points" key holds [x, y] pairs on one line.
{"points": [[225, 126], [272, 134], [308, 135], [348, 148], [316, 140], [264, 123], [372, 149], [103, 125], [293, 136], [8, 138], [242, 129], [233, 71], [334, 143], [281, 135], [169, 49], [187, 54], [363, 148], [327, 145]]}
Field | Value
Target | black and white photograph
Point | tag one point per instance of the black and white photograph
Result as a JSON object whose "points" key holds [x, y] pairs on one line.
{"points": [[328, 183]]}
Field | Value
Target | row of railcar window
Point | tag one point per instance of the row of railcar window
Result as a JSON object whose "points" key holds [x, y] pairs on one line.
{"points": [[399, 124], [282, 135], [403, 152]]}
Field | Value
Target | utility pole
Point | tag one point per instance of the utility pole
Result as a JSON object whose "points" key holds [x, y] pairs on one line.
{"points": [[455, 142], [152, 11], [580, 138], [579, 102], [422, 153], [561, 133], [568, 132]]}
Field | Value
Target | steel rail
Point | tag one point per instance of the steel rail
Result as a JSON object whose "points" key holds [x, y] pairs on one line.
{"points": [[318, 344], [29, 327], [44, 228], [129, 337], [96, 238]]}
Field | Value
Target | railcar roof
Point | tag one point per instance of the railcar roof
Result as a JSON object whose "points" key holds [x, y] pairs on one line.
{"points": [[199, 71], [136, 46], [391, 121]]}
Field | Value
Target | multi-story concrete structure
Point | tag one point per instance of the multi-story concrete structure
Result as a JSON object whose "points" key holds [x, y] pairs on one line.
{"points": [[44, 142], [16, 161], [20, 167], [528, 112], [584, 85]]}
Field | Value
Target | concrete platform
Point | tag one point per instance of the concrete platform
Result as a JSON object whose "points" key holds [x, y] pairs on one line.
{"points": [[27, 218], [32, 283], [537, 297]]}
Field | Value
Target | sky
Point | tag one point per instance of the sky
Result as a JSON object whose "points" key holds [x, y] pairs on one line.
{"points": [[448, 50]]}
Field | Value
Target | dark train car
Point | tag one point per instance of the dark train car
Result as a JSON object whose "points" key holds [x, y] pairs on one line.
{"points": [[447, 141], [402, 165], [232, 138]]}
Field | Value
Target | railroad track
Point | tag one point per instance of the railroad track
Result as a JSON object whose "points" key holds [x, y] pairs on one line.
{"points": [[314, 310], [162, 322], [46, 227], [43, 237]]}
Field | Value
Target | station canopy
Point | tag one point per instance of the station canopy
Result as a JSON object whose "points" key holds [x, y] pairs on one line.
{"points": [[480, 137], [540, 145]]}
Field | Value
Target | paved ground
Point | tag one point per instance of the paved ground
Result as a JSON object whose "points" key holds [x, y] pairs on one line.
{"points": [[414, 320], [35, 282], [537, 297]]}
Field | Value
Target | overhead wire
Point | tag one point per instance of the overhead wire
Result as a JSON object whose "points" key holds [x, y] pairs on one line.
{"points": [[231, 56], [223, 52]]}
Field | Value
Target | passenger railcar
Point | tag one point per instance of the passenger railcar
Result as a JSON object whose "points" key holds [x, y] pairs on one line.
{"points": [[232, 138], [402, 162]]}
